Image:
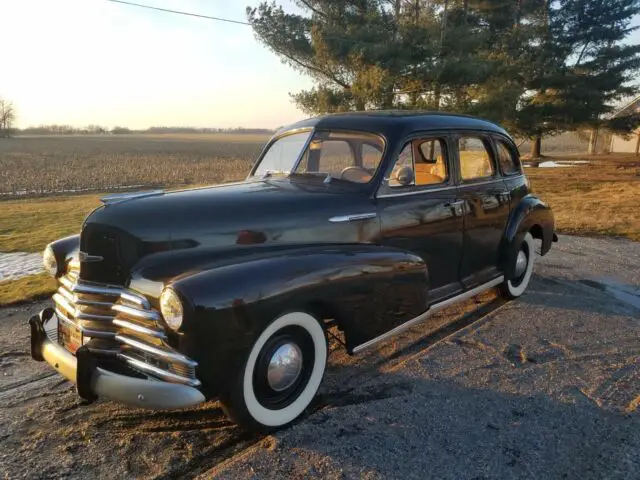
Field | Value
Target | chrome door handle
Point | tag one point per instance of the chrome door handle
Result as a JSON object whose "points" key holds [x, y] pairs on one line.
{"points": [[457, 207], [353, 218]]}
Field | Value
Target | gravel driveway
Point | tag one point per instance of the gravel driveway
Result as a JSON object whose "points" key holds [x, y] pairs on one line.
{"points": [[547, 386]]}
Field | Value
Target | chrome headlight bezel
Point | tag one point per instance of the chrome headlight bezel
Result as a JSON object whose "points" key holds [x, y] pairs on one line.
{"points": [[171, 308], [49, 261]]}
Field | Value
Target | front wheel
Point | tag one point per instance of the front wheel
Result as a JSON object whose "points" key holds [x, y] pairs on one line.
{"points": [[281, 375], [523, 269]]}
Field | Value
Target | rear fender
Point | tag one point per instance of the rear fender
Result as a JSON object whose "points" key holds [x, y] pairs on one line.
{"points": [[360, 286], [530, 215]]}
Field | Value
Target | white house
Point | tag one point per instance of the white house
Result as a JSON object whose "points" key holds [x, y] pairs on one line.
{"points": [[632, 143]]}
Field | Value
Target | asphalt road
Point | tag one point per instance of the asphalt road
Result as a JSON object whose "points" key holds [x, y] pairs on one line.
{"points": [[547, 386]]}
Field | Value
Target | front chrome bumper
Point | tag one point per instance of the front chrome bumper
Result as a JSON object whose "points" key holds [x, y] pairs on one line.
{"points": [[92, 381]]}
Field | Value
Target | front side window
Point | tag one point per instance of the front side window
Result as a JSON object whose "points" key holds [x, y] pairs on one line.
{"points": [[352, 157], [475, 160], [506, 158], [420, 163]]}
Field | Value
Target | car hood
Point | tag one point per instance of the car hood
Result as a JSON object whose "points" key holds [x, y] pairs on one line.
{"points": [[268, 213]]}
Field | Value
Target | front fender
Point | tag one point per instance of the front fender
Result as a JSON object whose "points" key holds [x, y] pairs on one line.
{"points": [[361, 286], [65, 249]]}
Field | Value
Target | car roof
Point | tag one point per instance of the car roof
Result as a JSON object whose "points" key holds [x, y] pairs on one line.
{"points": [[396, 122]]}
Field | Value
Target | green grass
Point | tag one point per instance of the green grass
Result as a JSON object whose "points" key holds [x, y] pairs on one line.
{"points": [[28, 225], [33, 287]]}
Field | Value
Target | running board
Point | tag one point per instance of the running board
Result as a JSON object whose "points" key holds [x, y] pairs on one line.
{"points": [[434, 308]]}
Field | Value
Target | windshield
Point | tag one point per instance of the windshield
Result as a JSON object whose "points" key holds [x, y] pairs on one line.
{"points": [[353, 157]]}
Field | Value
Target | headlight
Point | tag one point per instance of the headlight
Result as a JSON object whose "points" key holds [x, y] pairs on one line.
{"points": [[171, 308], [49, 261]]}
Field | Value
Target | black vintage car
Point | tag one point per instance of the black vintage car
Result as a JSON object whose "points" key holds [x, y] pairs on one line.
{"points": [[366, 221]]}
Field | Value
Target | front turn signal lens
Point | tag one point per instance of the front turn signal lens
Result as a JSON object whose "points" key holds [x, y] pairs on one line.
{"points": [[171, 308], [49, 261]]}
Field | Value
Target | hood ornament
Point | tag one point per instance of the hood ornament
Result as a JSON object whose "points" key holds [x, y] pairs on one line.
{"points": [[86, 258], [123, 197]]}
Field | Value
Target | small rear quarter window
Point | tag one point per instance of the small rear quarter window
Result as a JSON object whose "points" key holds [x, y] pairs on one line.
{"points": [[506, 158]]}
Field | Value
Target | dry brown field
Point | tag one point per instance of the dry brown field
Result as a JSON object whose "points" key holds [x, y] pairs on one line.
{"points": [[67, 164]]}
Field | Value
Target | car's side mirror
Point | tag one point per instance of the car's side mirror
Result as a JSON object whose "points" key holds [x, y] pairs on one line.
{"points": [[402, 177]]}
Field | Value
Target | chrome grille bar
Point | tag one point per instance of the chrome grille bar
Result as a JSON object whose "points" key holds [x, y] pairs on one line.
{"points": [[77, 313], [89, 332], [91, 289], [149, 315], [139, 328]]}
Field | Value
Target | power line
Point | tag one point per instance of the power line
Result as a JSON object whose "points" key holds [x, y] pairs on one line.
{"points": [[219, 19], [238, 22]]}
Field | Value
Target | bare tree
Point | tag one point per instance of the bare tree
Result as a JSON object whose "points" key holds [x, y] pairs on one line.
{"points": [[7, 117]]}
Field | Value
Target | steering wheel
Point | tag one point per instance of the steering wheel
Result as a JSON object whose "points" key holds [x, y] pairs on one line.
{"points": [[356, 174]]}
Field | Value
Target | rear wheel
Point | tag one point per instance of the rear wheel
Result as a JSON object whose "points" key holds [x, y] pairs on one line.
{"points": [[523, 269], [281, 375]]}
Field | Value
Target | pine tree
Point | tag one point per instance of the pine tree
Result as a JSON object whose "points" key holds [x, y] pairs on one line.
{"points": [[573, 67]]}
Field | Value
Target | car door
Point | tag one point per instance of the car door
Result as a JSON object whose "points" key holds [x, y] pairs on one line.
{"points": [[423, 214], [486, 207]]}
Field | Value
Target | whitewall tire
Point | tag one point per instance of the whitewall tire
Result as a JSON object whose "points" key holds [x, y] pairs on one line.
{"points": [[523, 269], [281, 375]]}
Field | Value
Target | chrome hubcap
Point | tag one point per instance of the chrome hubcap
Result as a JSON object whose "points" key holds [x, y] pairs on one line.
{"points": [[284, 367], [521, 263]]}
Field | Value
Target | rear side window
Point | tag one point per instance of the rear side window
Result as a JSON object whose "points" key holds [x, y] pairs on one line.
{"points": [[475, 159], [506, 159]]}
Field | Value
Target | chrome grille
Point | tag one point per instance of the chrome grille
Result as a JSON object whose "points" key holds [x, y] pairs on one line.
{"points": [[121, 323]]}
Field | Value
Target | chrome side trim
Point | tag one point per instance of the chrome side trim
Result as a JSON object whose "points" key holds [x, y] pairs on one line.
{"points": [[448, 187], [163, 374], [434, 308], [472, 183], [140, 329], [468, 294], [416, 192], [174, 356], [353, 218], [135, 313]]}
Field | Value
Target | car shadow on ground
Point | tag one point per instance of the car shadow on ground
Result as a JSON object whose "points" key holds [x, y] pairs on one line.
{"points": [[405, 427], [596, 296]]}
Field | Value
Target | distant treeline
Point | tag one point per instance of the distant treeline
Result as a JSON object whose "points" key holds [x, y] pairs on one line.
{"points": [[99, 130]]}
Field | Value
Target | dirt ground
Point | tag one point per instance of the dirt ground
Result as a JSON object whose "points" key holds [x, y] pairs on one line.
{"points": [[547, 386]]}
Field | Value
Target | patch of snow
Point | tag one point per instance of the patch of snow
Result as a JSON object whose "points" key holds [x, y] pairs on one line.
{"points": [[559, 163], [19, 264], [550, 164]]}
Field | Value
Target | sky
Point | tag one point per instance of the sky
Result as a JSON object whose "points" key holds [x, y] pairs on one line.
{"points": [[81, 62]]}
